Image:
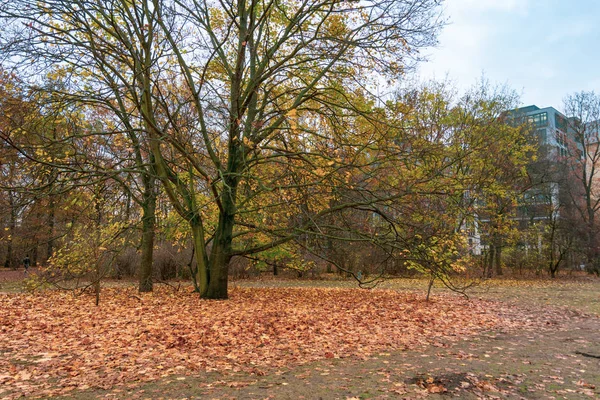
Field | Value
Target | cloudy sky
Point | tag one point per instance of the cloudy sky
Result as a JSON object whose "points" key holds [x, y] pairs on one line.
{"points": [[544, 49]]}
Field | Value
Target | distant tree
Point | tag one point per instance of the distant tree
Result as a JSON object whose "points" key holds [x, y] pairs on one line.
{"points": [[15, 175], [583, 163], [11, 206], [88, 256], [435, 182], [50, 139], [485, 187]]}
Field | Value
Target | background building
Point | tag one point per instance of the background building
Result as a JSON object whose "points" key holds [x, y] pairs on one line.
{"points": [[550, 126]]}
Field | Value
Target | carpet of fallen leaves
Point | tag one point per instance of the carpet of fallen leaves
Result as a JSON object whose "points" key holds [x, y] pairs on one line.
{"points": [[54, 342]]}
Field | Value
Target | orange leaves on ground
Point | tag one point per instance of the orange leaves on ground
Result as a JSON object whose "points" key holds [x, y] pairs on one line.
{"points": [[54, 342]]}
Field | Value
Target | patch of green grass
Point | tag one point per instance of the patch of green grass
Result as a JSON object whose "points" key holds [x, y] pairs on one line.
{"points": [[11, 286], [583, 296]]}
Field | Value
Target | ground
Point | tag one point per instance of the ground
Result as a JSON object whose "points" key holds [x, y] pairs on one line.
{"points": [[305, 339]]}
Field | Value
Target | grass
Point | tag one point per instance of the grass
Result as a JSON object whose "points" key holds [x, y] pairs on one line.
{"points": [[583, 295], [580, 293]]}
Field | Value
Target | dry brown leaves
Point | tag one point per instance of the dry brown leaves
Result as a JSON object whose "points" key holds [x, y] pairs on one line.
{"points": [[52, 343]]}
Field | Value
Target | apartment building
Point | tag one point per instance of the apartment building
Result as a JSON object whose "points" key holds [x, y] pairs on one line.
{"points": [[541, 202], [550, 126]]}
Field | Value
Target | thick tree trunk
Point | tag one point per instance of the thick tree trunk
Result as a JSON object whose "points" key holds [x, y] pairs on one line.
{"points": [[221, 251], [201, 276], [219, 270], [147, 245], [221, 255]]}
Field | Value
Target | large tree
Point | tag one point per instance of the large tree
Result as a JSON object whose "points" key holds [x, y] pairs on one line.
{"points": [[229, 95]]}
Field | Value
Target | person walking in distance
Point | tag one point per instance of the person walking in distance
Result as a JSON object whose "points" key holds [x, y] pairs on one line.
{"points": [[26, 263]]}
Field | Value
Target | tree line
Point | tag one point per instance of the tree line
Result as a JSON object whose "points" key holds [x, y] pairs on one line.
{"points": [[249, 130]]}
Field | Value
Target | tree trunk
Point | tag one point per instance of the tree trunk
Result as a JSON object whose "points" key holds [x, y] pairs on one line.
{"points": [[220, 255], [34, 256], [490, 262], [147, 245], [498, 256], [329, 253], [551, 260], [200, 272], [97, 285], [219, 265], [50, 223], [98, 266], [429, 286], [11, 232], [128, 206], [219, 269], [591, 253]]}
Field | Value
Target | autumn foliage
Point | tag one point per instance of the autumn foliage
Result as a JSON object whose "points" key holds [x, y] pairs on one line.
{"points": [[55, 342]]}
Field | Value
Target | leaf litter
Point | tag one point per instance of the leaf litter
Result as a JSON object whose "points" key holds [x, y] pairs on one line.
{"points": [[52, 343]]}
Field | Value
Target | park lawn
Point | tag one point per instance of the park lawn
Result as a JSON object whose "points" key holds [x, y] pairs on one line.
{"points": [[314, 342]]}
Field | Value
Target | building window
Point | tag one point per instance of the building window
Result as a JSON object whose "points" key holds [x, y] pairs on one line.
{"points": [[562, 151], [561, 138], [542, 136], [560, 122], [540, 119]]}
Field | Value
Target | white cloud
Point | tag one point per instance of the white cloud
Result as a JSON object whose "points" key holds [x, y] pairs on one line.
{"points": [[542, 48], [464, 42]]}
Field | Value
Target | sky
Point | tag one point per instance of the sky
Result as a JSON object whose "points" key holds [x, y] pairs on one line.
{"points": [[543, 49]]}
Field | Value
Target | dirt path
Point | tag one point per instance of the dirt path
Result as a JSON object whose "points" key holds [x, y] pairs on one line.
{"points": [[12, 275], [11, 280]]}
